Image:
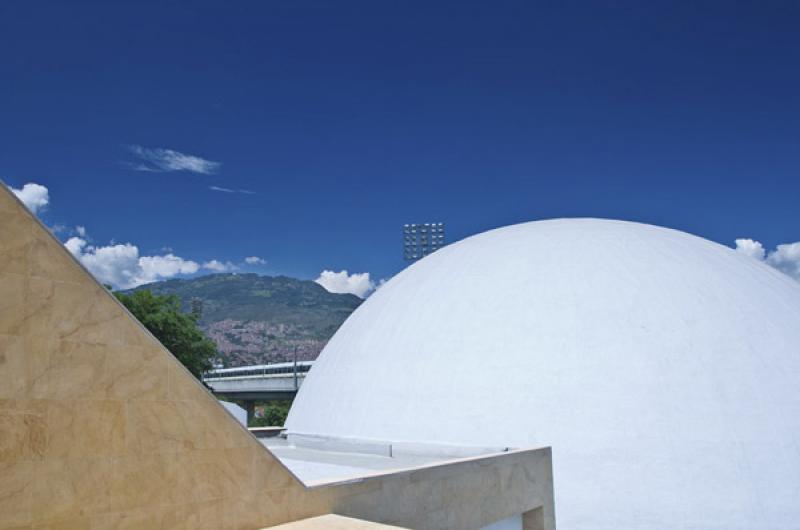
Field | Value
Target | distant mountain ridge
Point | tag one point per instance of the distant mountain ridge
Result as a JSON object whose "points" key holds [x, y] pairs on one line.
{"points": [[257, 319]]}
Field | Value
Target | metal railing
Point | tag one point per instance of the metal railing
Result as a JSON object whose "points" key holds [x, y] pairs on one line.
{"points": [[261, 370]]}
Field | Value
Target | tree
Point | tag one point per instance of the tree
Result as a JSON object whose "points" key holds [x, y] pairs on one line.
{"points": [[275, 413], [196, 308], [177, 331]]}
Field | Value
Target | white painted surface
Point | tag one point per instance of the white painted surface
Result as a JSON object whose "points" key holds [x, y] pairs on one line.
{"points": [[269, 383], [238, 412], [512, 523], [314, 465], [663, 369]]}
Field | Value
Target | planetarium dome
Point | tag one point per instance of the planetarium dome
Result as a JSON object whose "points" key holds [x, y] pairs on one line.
{"points": [[662, 368]]}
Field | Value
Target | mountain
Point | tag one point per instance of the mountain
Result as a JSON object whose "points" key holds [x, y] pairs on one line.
{"points": [[262, 319]]}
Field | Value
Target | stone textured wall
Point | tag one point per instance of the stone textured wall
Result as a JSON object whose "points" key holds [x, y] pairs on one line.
{"points": [[102, 428]]}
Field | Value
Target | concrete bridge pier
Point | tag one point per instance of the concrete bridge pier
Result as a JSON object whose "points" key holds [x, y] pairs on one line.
{"points": [[250, 407]]}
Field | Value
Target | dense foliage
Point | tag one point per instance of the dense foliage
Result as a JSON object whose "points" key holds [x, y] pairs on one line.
{"points": [[177, 331], [275, 413]]}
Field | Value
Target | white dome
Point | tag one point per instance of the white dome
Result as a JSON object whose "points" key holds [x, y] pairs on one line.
{"points": [[663, 369]]}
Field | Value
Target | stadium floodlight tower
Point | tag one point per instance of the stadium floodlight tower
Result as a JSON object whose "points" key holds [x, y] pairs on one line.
{"points": [[420, 239]]}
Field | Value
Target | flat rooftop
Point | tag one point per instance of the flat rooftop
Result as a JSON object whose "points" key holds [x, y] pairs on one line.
{"points": [[319, 466]]}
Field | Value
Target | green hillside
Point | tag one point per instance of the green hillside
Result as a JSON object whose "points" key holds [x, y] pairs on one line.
{"points": [[257, 319]]}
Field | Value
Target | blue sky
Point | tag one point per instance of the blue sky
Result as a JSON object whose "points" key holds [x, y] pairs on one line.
{"points": [[335, 123]]}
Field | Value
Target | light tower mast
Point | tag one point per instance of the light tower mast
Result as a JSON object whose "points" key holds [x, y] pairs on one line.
{"points": [[421, 239]]}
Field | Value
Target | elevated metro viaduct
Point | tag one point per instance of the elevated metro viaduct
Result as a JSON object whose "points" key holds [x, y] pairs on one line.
{"points": [[263, 382]]}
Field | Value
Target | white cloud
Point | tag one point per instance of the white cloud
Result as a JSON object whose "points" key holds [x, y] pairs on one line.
{"points": [[358, 284], [75, 245], [255, 260], [117, 264], [219, 266], [751, 248], [160, 159], [35, 196], [123, 267], [156, 267], [230, 190], [785, 258]]}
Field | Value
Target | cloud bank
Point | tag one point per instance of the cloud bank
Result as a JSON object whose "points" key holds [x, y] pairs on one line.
{"points": [[160, 159], [122, 267], [219, 266], [35, 196], [785, 258], [358, 284]]}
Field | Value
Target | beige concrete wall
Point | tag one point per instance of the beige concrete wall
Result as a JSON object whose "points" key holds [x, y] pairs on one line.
{"points": [[101, 427], [467, 493]]}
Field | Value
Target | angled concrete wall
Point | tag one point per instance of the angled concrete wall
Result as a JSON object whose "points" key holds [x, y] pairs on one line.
{"points": [[101, 427]]}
